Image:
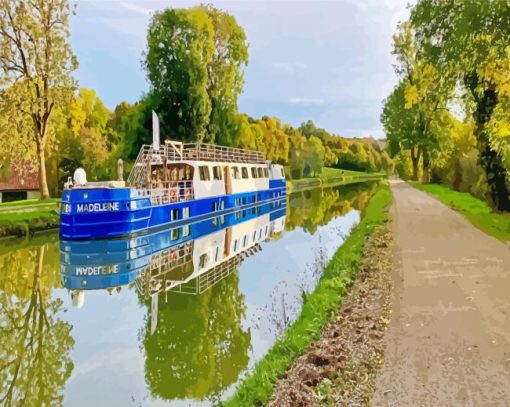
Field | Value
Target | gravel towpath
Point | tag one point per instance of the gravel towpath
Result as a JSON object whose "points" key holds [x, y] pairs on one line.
{"points": [[448, 341]]}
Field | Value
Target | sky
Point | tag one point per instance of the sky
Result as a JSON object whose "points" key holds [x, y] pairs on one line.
{"points": [[328, 61]]}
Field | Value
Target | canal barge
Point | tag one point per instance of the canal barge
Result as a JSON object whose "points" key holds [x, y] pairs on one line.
{"points": [[169, 185]]}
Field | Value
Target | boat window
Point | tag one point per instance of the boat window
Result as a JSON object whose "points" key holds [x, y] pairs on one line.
{"points": [[244, 171], [202, 261], [185, 212], [174, 234], [236, 201], [217, 172], [245, 240], [204, 173], [216, 256], [185, 230], [253, 172], [235, 245], [235, 172], [174, 214], [266, 173], [261, 174], [260, 234], [254, 235], [244, 200], [283, 173]]}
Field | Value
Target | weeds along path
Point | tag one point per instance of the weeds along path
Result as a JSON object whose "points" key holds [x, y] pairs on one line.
{"points": [[448, 341]]}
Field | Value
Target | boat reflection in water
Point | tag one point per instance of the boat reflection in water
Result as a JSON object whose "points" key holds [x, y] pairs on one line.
{"points": [[188, 259]]}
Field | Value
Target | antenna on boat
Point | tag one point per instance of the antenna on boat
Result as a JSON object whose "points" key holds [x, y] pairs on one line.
{"points": [[155, 131]]}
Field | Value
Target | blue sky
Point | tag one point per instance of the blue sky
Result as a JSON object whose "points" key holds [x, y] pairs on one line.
{"points": [[329, 61]]}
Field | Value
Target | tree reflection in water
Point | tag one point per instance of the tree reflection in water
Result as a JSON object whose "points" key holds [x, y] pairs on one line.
{"points": [[35, 343], [317, 207], [199, 346]]}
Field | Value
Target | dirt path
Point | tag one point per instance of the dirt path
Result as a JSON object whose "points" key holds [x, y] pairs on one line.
{"points": [[448, 341]]}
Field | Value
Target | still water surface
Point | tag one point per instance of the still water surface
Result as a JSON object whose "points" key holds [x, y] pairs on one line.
{"points": [[200, 307]]}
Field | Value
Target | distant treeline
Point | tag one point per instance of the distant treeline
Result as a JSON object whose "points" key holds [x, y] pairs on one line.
{"points": [[194, 62]]}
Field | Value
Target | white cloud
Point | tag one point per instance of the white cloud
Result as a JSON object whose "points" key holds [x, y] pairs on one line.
{"points": [[306, 101], [136, 8], [289, 67]]}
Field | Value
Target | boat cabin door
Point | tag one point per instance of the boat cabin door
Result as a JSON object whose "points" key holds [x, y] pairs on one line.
{"points": [[227, 179]]}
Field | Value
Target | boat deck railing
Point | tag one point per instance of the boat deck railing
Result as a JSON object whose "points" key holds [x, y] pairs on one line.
{"points": [[172, 151], [211, 152], [176, 191]]}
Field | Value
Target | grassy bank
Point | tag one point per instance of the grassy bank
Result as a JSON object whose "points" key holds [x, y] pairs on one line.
{"points": [[28, 203], [476, 211], [317, 308], [15, 221], [331, 176]]}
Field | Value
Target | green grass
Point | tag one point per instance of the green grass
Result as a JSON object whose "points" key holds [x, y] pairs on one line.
{"points": [[30, 202], [476, 211], [317, 309]]}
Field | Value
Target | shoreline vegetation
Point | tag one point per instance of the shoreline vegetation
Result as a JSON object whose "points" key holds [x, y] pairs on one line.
{"points": [[331, 177], [318, 307], [24, 218], [340, 367], [478, 212]]}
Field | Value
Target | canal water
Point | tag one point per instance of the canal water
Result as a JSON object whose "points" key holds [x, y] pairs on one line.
{"points": [[174, 318]]}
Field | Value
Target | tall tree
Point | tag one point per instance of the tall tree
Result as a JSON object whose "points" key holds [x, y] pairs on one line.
{"points": [[35, 55], [470, 39], [225, 75], [426, 93], [194, 62]]}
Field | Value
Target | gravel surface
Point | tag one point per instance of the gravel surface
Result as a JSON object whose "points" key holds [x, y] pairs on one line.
{"points": [[340, 367]]}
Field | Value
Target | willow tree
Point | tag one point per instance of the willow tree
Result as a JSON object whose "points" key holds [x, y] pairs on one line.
{"points": [[36, 58], [470, 40]]}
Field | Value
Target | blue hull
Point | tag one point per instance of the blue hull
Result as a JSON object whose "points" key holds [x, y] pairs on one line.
{"points": [[113, 213], [99, 264]]}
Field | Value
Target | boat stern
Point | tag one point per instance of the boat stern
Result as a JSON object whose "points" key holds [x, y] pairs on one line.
{"points": [[95, 213]]}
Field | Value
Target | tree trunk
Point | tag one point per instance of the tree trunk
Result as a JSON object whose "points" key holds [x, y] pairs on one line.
{"points": [[496, 178], [415, 158], [43, 184], [489, 159], [457, 175], [426, 167]]}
